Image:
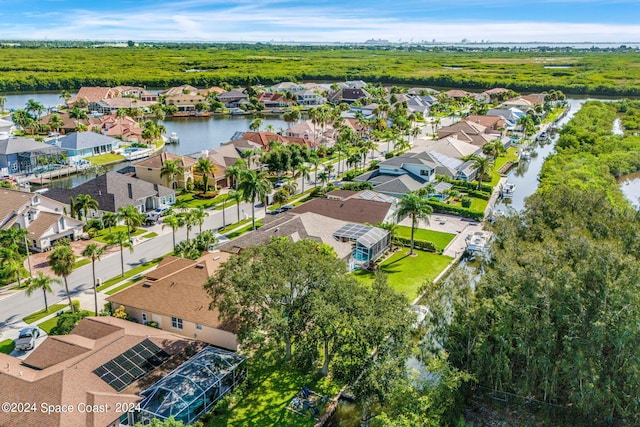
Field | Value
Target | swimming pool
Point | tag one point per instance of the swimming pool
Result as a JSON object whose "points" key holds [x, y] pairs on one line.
{"points": [[130, 150]]}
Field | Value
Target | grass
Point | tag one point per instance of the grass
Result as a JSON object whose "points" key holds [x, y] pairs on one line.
{"points": [[102, 234], [34, 317], [190, 202], [128, 274], [271, 385], [123, 286], [407, 274], [47, 325], [440, 239], [7, 346], [511, 156], [80, 263], [150, 235], [102, 159]]}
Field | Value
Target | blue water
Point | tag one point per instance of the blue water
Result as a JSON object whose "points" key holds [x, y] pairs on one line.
{"points": [[130, 150]]}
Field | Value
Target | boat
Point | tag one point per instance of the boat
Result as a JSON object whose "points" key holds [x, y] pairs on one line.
{"points": [[477, 242], [543, 136], [173, 138], [525, 154], [507, 190]]}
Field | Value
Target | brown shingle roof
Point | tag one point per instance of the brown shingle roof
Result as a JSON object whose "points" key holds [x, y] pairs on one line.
{"points": [[68, 377], [352, 210], [42, 223], [158, 160], [177, 292], [12, 200]]}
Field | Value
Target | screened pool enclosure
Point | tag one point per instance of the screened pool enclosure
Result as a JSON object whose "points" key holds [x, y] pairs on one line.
{"points": [[369, 242], [191, 390]]}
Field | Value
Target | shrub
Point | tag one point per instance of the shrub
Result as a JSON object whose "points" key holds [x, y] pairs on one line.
{"points": [[439, 207], [120, 313], [466, 202], [357, 186], [67, 321], [425, 245]]}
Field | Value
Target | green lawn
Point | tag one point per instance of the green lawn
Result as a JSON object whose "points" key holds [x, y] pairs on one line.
{"points": [[271, 386], [511, 156], [127, 274], [34, 317], [244, 229], [150, 235], [440, 239], [407, 274], [7, 346], [82, 262], [190, 202], [102, 234], [102, 159], [47, 325]]}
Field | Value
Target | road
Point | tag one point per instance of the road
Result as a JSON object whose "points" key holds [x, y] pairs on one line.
{"points": [[15, 306]]}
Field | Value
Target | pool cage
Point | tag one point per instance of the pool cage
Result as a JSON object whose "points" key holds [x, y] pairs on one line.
{"points": [[370, 242], [191, 390]]}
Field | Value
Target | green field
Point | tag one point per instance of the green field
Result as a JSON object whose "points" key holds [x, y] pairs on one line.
{"points": [[52, 68], [407, 274], [440, 239], [34, 317], [102, 234], [102, 159]]}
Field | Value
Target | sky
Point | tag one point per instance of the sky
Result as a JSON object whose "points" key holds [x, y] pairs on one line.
{"points": [[322, 20]]}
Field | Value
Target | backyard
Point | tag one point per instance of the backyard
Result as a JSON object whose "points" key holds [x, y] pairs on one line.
{"points": [[407, 274], [438, 238], [271, 385]]}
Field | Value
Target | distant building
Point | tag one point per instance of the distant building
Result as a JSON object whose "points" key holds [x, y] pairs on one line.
{"points": [[150, 169], [80, 145]]}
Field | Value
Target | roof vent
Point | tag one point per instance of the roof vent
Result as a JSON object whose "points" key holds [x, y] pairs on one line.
{"points": [[199, 265], [146, 285], [215, 258]]}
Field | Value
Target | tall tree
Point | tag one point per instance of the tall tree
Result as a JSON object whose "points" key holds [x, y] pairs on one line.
{"points": [[41, 282], [234, 171], [206, 168], [171, 170], [94, 252], [303, 174], [83, 204], [121, 239], [254, 186], [175, 222], [11, 262], [482, 165], [131, 217], [109, 220], [236, 196], [269, 288], [417, 208], [61, 260]]}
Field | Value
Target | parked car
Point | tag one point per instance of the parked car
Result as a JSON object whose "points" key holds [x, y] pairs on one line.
{"points": [[287, 208], [279, 184], [275, 211], [27, 338]]}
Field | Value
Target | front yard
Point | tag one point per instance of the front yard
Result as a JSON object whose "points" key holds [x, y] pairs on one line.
{"points": [[405, 273], [102, 234]]}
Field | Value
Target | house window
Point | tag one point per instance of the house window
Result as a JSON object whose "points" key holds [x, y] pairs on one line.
{"points": [[198, 326], [176, 323], [144, 318], [424, 172]]}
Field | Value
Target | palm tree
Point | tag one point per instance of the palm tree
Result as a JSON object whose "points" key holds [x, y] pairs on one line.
{"points": [[324, 178], [303, 173], [94, 252], [527, 124], [494, 149], [11, 261], [175, 222], [206, 168], [290, 186], [198, 215], [237, 197], [35, 107], [171, 170], [254, 186], [83, 204], [281, 197], [77, 113], [189, 220], [132, 218], [255, 124], [315, 161], [61, 260], [120, 238], [55, 122], [109, 219], [234, 171], [41, 282], [416, 207], [483, 166]]}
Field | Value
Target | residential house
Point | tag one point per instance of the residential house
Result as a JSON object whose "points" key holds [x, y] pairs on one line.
{"points": [[178, 90], [88, 94], [233, 98], [493, 124], [362, 207], [274, 100], [265, 138], [174, 298], [114, 190], [149, 170], [149, 96], [186, 102], [80, 145], [347, 95], [112, 105], [42, 217], [496, 93], [304, 129], [123, 128], [453, 148], [294, 88], [69, 124], [468, 131], [356, 244], [520, 103], [134, 91], [106, 371], [353, 84], [413, 171], [22, 155], [310, 98], [421, 104], [6, 127], [215, 90], [510, 115], [422, 91]]}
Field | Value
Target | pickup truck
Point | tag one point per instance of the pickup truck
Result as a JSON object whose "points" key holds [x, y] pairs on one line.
{"points": [[27, 339]]}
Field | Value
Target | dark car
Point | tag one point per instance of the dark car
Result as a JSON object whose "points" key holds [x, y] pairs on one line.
{"points": [[275, 211], [27, 338]]}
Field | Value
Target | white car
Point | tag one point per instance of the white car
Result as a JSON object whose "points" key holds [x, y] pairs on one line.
{"points": [[27, 339]]}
